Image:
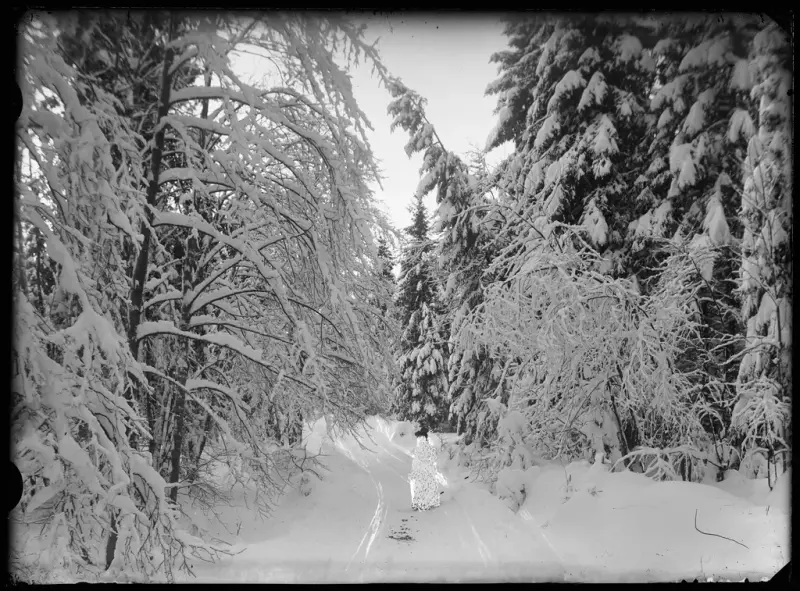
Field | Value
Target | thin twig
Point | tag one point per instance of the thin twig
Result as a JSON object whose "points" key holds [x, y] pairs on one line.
{"points": [[717, 535]]}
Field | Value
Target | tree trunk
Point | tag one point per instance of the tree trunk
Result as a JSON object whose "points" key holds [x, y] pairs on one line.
{"points": [[111, 545], [23, 281], [142, 260], [189, 280], [140, 268], [177, 435], [39, 287], [202, 446]]}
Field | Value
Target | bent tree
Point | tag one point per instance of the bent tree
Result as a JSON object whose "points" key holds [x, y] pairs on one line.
{"points": [[213, 245]]}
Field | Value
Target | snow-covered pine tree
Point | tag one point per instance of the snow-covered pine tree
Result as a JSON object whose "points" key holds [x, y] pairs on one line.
{"points": [[387, 260], [688, 193], [464, 229], [421, 388], [387, 321], [470, 217], [764, 386], [701, 118], [385, 281], [571, 98]]}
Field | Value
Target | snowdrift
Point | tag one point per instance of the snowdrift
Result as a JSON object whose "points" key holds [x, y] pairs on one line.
{"points": [[579, 521], [626, 527]]}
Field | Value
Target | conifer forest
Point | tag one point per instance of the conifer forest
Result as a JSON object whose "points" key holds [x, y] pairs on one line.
{"points": [[205, 282]]}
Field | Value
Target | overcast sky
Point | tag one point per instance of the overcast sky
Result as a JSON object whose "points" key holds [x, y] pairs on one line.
{"points": [[445, 58]]}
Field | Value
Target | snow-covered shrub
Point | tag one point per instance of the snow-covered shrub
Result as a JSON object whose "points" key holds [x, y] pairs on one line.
{"points": [[597, 367], [760, 418], [680, 463]]}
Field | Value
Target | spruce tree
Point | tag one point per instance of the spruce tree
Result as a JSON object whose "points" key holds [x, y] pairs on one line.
{"points": [[470, 221], [465, 225], [387, 260], [571, 97], [421, 390], [764, 385], [385, 275], [688, 200]]}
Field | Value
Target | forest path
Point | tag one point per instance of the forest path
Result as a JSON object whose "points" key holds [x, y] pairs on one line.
{"points": [[357, 525]]}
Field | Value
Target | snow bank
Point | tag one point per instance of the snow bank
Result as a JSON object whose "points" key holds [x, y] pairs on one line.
{"points": [[609, 526], [577, 521], [736, 484], [780, 496]]}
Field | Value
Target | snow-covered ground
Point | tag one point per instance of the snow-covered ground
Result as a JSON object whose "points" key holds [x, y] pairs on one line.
{"points": [[577, 523]]}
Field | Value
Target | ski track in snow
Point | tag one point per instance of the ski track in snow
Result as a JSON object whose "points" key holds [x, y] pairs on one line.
{"points": [[374, 525], [357, 526], [381, 509], [486, 556], [449, 520], [525, 514], [449, 543]]}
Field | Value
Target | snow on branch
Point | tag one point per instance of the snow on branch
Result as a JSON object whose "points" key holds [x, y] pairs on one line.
{"points": [[197, 223], [596, 352], [233, 395]]}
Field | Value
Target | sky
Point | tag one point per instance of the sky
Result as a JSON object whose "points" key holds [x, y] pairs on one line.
{"points": [[445, 58]]}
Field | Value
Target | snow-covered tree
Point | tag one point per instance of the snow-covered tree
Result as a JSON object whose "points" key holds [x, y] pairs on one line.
{"points": [[572, 98], [701, 119], [421, 388], [388, 323], [764, 386], [463, 248], [386, 281], [584, 99], [470, 218], [71, 423], [593, 365], [244, 218], [387, 260]]}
